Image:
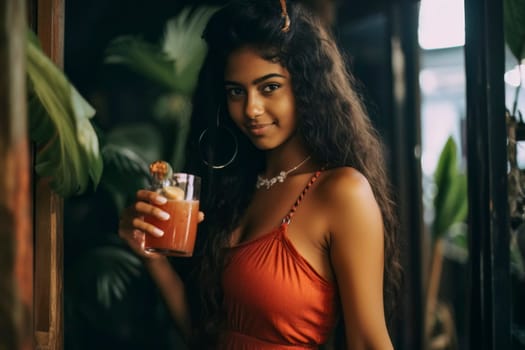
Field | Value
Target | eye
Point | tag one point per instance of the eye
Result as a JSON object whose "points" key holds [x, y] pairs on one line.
{"points": [[270, 87], [234, 91]]}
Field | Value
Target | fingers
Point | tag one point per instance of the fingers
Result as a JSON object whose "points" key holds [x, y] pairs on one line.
{"points": [[138, 245], [151, 210], [136, 241], [140, 224], [134, 238], [133, 228], [151, 197], [132, 220]]}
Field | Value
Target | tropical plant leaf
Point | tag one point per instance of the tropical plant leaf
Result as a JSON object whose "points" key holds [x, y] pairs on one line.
{"points": [[456, 243], [174, 64], [450, 202], [143, 139], [110, 269], [183, 44], [176, 109], [172, 107], [514, 26], [143, 58], [446, 166], [445, 171], [127, 152], [453, 208], [59, 124], [125, 173]]}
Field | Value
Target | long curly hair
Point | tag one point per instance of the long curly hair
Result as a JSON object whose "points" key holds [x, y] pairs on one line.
{"points": [[333, 122]]}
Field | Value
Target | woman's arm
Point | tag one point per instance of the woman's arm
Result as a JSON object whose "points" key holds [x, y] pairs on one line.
{"points": [[356, 253], [174, 293], [132, 229]]}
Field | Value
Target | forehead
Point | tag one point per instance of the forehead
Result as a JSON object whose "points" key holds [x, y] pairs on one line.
{"points": [[246, 64]]}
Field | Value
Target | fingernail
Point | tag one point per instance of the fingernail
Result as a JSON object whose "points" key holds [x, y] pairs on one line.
{"points": [[158, 232], [160, 200], [164, 216]]}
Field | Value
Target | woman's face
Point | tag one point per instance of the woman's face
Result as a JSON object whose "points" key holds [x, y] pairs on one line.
{"points": [[260, 98]]}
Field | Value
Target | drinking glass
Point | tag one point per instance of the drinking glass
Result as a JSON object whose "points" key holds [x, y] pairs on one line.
{"points": [[182, 192]]}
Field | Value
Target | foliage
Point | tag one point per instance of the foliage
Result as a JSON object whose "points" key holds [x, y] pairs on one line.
{"points": [[143, 58], [110, 268], [174, 64], [127, 149], [450, 202], [59, 124], [451, 209], [514, 26], [182, 43]]}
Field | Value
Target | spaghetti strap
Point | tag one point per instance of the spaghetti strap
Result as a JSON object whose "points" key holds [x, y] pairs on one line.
{"points": [[288, 217]]}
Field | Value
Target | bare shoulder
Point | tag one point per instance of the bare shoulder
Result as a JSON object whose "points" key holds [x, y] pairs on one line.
{"points": [[349, 201], [343, 186]]}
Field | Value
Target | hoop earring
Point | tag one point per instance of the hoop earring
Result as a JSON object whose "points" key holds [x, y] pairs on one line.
{"points": [[207, 136]]}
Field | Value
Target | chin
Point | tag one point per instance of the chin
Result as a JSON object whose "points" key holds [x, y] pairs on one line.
{"points": [[263, 145]]}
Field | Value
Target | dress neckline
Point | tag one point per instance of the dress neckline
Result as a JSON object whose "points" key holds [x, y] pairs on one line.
{"points": [[280, 234], [279, 229], [286, 219]]}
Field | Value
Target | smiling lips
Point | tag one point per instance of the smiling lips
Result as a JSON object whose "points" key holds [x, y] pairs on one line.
{"points": [[258, 129]]}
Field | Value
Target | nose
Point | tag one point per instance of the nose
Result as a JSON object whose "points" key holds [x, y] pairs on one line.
{"points": [[254, 106]]}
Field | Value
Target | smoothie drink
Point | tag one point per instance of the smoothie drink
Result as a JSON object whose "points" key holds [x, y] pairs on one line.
{"points": [[182, 193], [179, 231]]}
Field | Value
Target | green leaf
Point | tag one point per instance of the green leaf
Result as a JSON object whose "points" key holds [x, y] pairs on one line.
{"points": [[183, 44], [450, 202], [110, 269], [143, 58], [142, 138], [127, 152], [59, 124], [174, 111], [514, 26], [445, 170], [454, 207], [173, 107], [456, 243], [125, 173], [174, 64]]}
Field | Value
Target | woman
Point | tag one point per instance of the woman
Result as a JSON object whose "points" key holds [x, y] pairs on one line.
{"points": [[300, 231]]}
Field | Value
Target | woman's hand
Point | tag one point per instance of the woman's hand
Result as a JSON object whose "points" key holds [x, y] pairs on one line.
{"points": [[132, 227]]}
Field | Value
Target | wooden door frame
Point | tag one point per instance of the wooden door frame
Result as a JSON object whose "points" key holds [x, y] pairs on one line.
{"points": [[46, 18], [16, 237]]}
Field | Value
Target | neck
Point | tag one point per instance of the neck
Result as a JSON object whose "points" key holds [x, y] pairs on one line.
{"points": [[283, 174], [274, 165], [284, 158]]}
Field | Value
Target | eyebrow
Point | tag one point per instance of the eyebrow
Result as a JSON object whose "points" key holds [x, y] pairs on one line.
{"points": [[258, 80]]}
